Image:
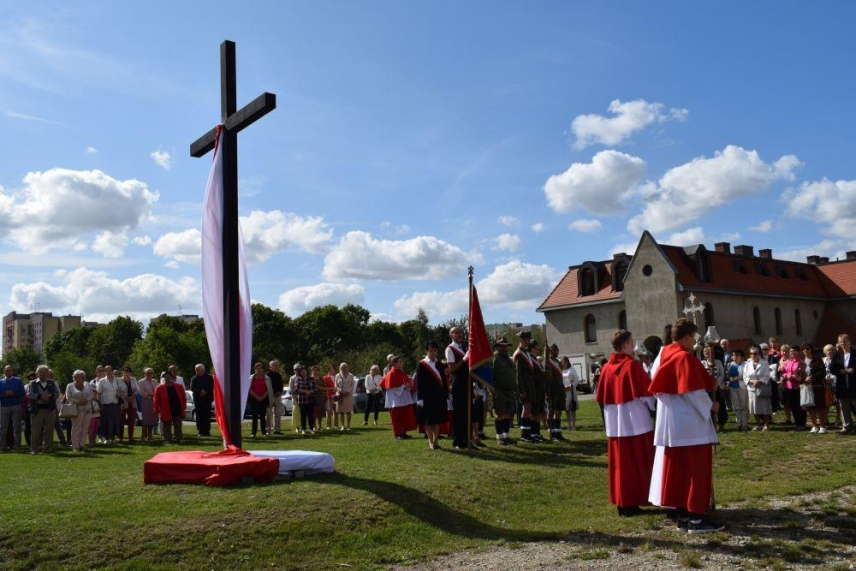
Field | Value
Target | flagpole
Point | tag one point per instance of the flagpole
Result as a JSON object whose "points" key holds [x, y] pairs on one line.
{"points": [[469, 370]]}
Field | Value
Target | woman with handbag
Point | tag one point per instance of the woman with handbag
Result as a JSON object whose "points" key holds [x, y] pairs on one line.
{"points": [[793, 371], [344, 398], [756, 375], [79, 396], [813, 391]]}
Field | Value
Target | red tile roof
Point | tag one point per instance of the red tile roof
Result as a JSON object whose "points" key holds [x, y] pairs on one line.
{"points": [[726, 278], [566, 292], [828, 281]]}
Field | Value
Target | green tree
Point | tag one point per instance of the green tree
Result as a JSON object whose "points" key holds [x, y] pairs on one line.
{"points": [[171, 341], [329, 332], [23, 359], [273, 335], [112, 343], [72, 341]]}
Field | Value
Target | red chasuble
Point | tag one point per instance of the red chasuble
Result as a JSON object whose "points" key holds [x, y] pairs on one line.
{"points": [[622, 380], [630, 458], [402, 417], [680, 372]]}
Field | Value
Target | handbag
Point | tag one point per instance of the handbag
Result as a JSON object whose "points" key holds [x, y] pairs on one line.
{"points": [[68, 411], [830, 397], [806, 396]]}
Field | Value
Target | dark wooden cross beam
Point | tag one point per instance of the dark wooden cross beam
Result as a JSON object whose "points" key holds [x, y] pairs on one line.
{"points": [[234, 121]]}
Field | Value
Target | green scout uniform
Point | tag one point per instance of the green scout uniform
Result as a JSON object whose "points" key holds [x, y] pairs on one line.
{"points": [[505, 390]]}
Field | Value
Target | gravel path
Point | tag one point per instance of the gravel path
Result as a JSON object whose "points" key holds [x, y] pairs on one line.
{"points": [[811, 531]]}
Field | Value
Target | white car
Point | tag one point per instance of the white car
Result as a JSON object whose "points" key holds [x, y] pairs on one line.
{"points": [[287, 401]]}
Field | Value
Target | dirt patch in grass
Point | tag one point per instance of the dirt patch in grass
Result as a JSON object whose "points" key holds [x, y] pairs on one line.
{"points": [[810, 531]]}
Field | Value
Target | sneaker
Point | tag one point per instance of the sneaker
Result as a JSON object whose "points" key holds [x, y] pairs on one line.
{"points": [[683, 524], [703, 526], [813, 430], [822, 430]]}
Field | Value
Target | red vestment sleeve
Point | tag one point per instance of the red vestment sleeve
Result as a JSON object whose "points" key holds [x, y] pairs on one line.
{"points": [[622, 380], [680, 372]]}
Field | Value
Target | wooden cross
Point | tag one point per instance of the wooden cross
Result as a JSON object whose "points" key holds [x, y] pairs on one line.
{"points": [[233, 121]]}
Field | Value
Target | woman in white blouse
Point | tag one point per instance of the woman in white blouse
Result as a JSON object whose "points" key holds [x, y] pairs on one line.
{"points": [[344, 398], [570, 380], [374, 398], [756, 375], [78, 393]]}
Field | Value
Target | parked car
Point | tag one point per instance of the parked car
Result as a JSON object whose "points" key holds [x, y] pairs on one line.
{"points": [[190, 410], [360, 396], [287, 401]]}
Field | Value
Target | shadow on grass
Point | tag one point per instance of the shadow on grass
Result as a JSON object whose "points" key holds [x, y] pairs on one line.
{"points": [[437, 514], [554, 455], [773, 535]]}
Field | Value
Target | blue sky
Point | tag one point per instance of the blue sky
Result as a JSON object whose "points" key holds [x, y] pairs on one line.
{"points": [[411, 140]]}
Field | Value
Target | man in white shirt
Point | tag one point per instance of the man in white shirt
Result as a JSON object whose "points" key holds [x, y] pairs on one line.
{"points": [[173, 370], [456, 359]]}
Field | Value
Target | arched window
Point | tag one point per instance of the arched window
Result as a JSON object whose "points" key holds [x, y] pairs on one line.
{"points": [[798, 319], [778, 313], [708, 315], [590, 329], [587, 282], [622, 319], [756, 315]]}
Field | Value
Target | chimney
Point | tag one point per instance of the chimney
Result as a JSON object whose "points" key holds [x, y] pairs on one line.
{"points": [[618, 255], [745, 251], [851, 256], [766, 253], [823, 260], [813, 260], [723, 247]]}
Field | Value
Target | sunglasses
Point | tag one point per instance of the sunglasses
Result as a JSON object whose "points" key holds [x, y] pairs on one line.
{"points": [[754, 353]]}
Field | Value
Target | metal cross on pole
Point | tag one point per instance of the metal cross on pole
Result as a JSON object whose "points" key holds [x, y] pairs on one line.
{"points": [[693, 309], [234, 121]]}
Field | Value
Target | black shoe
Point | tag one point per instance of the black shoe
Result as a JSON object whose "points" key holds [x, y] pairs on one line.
{"points": [[683, 524], [482, 435], [400, 438], [526, 438], [703, 526], [630, 511], [406, 437], [559, 436], [459, 448]]}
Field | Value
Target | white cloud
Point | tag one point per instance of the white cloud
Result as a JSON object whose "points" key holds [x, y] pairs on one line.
{"points": [[624, 248], [509, 221], [91, 151], [506, 242], [704, 184], [25, 117], [98, 297], [385, 317], [361, 256], [110, 244], [762, 227], [515, 284], [58, 208], [629, 117], [265, 234], [592, 225], [162, 159], [538, 227], [832, 205], [830, 248], [299, 300], [598, 187], [397, 229], [142, 240], [185, 246], [172, 264], [729, 237], [688, 237]]}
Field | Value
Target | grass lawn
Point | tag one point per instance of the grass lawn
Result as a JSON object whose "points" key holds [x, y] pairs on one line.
{"points": [[390, 503]]}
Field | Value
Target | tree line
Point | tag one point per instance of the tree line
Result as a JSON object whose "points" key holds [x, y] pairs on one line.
{"points": [[323, 336]]}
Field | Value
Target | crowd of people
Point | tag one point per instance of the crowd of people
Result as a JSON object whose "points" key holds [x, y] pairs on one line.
{"points": [[103, 410]]}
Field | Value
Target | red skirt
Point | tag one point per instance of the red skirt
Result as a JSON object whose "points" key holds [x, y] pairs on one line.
{"points": [[403, 419], [630, 460], [688, 477]]}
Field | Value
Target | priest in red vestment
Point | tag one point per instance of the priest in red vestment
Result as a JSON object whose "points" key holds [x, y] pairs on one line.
{"points": [[399, 399], [683, 474], [623, 394]]}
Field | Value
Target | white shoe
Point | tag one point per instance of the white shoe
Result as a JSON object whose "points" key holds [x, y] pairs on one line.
{"points": [[822, 430], [813, 430]]}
